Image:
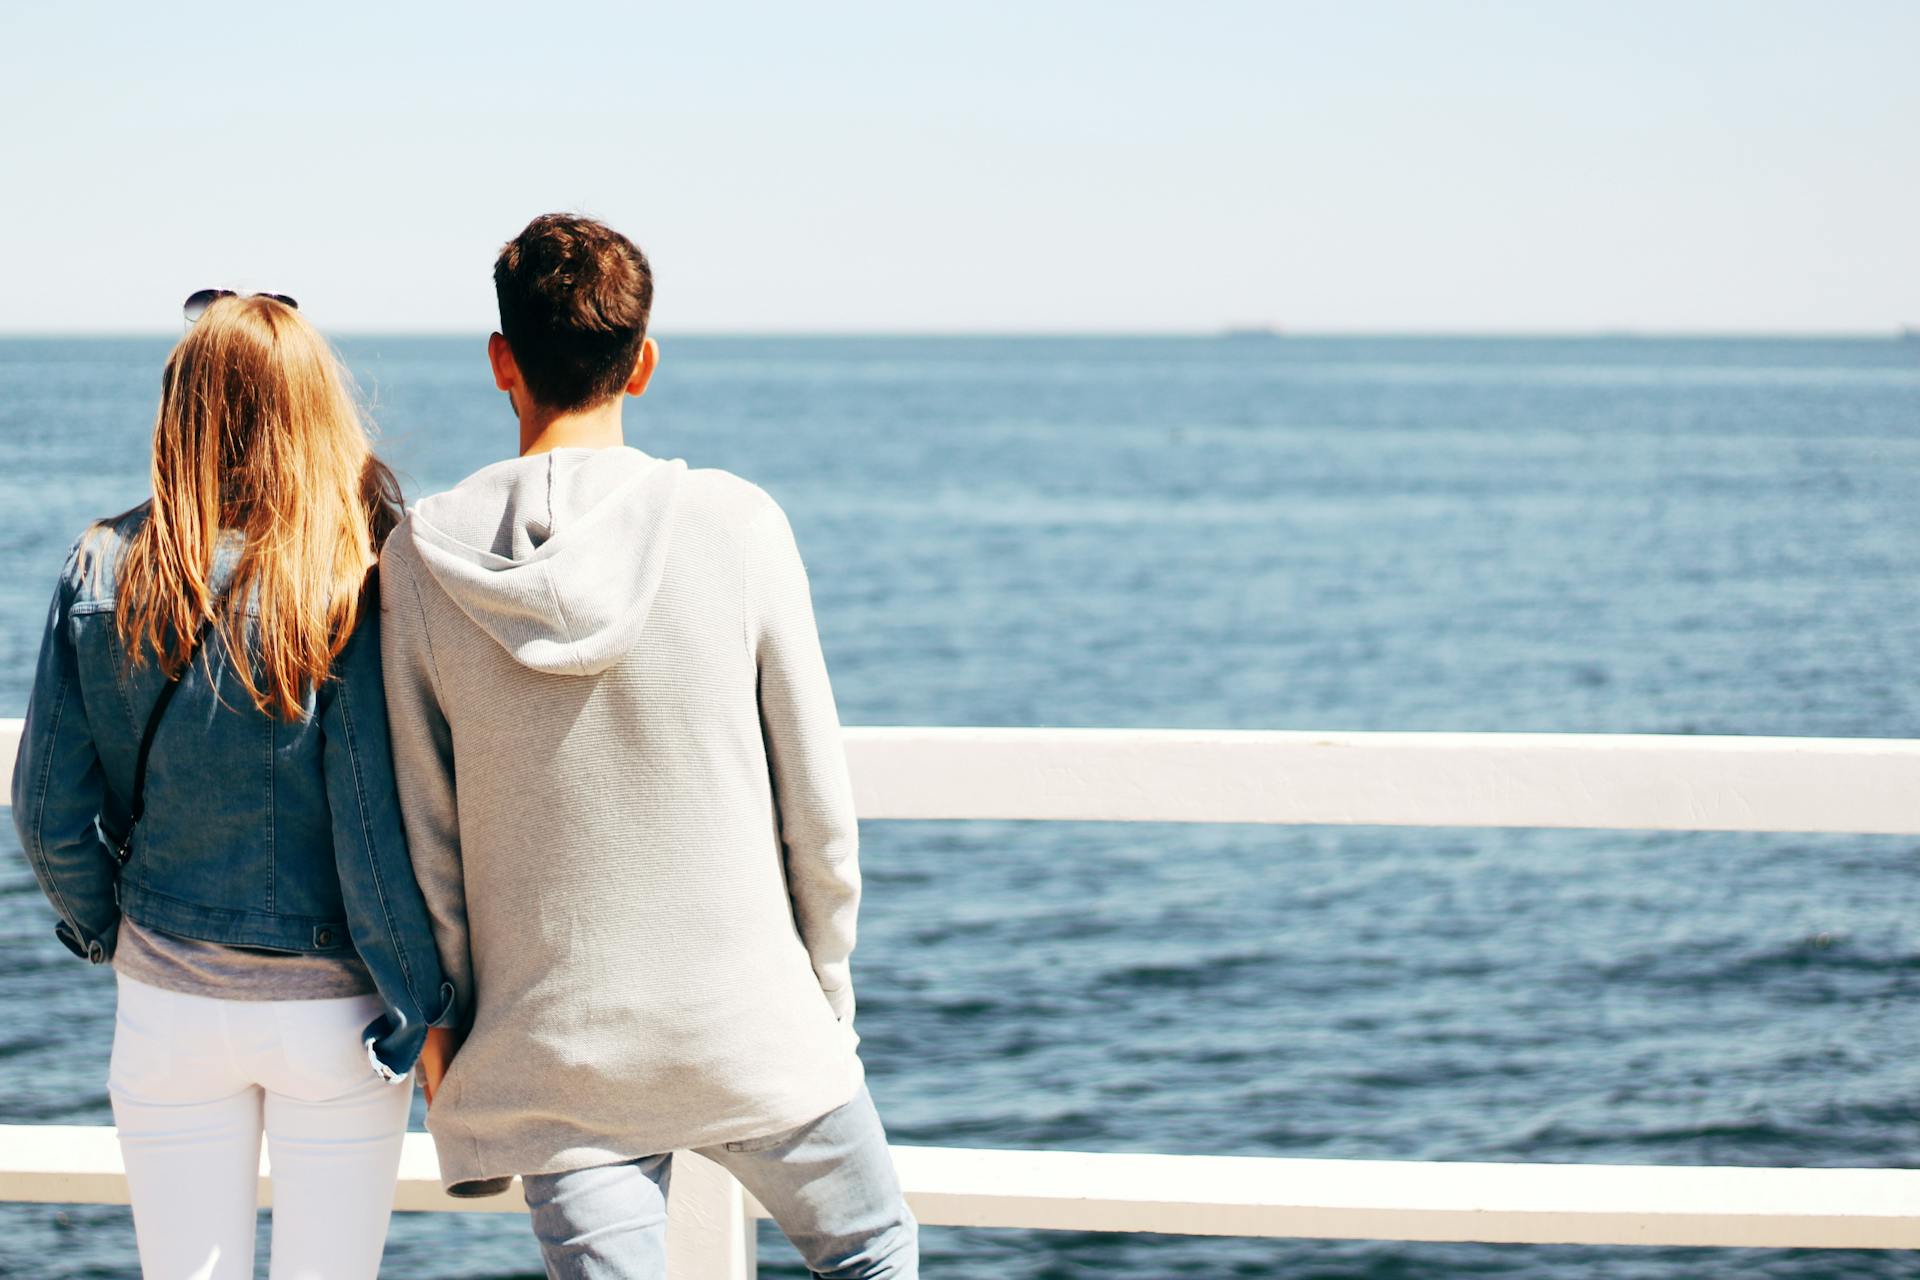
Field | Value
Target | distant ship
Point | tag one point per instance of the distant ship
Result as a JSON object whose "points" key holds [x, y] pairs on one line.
{"points": [[1245, 331]]}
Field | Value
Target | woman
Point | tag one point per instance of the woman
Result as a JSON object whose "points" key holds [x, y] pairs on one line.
{"points": [[205, 791]]}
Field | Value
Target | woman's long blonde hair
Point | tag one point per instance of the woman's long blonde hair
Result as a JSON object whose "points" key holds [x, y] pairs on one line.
{"points": [[257, 432]]}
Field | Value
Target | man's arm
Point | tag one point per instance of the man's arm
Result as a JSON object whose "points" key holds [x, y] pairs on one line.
{"points": [[812, 791], [423, 773]]}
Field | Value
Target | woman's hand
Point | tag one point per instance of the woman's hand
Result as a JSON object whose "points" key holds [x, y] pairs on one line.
{"points": [[435, 1056]]}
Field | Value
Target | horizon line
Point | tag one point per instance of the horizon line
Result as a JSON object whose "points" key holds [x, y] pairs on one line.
{"points": [[1243, 333]]}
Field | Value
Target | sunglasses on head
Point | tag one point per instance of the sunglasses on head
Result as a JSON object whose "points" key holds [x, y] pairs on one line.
{"points": [[197, 304]]}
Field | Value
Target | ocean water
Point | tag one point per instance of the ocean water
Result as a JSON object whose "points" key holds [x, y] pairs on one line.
{"points": [[1634, 535]]}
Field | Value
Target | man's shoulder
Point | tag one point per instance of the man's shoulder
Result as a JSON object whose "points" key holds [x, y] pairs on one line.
{"points": [[723, 498], [398, 547]]}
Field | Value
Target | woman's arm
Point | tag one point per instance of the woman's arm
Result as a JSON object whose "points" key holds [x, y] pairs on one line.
{"points": [[385, 910], [423, 773], [58, 789]]}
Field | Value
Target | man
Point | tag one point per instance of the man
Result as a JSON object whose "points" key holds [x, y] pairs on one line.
{"points": [[622, 779]]}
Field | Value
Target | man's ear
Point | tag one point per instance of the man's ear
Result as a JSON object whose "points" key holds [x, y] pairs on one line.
{"points": [[643, 367], [506, 374]]}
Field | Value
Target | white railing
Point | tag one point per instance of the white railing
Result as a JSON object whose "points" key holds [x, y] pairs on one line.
{"points": [[1399, 779]]}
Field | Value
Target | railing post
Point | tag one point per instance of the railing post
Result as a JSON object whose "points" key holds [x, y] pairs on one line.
{"points": [[709, 1232]]}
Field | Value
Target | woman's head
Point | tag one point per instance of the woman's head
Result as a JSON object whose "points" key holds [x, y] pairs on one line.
{"points": [[258, 433]]}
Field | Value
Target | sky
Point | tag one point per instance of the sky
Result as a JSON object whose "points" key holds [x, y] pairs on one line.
{"points": [[1032, 167]]}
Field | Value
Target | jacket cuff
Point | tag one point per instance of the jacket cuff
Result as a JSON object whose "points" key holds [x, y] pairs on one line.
{"points": [[380, 1068], [96, 948], [841, 1001], [393, 1040], [393, 1045]]}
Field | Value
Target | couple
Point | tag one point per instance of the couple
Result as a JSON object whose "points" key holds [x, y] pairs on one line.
{"points": [[553, 806]]}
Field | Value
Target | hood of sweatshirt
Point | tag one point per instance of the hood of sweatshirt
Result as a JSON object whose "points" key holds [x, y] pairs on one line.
{"points": [[557, 556]]}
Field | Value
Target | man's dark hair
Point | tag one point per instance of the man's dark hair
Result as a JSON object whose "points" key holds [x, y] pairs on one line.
{"points": [[574, 296]]}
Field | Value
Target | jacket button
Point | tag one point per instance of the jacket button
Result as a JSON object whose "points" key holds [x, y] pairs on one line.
{"points": [[324, 938]]}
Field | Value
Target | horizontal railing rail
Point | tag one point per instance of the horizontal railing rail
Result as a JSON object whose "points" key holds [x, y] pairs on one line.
{"points": [[1630, 782], [1619, 781], [1222, 1195]]}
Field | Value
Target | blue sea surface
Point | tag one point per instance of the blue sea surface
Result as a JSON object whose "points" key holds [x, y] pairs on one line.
{"points": [[1708, 536]]}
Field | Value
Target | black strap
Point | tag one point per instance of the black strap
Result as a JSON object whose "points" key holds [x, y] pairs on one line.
{"points": [[125, 851]]}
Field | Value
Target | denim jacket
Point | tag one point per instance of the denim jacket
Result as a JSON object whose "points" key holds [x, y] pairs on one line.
{"points": [[257, 831]]}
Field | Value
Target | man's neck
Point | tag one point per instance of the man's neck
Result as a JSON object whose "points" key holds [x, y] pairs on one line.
{"points": [[595, 427]]}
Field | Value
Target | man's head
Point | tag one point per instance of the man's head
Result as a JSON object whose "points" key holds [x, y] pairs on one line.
{"points": [[574, 296]]}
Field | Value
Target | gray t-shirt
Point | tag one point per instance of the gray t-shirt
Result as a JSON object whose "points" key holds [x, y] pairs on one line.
{"points": [[236, 973]]}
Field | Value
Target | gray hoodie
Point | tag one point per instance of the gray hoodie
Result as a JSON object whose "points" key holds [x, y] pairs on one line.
{"points": [[620, 770], [557, 557]]}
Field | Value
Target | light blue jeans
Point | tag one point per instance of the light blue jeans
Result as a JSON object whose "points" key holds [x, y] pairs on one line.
{"points": [[830, 1185]]}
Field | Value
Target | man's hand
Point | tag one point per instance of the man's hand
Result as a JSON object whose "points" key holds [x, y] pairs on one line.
{"points": [[435, 1056]]}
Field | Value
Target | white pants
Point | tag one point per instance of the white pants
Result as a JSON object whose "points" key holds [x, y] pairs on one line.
{"points": [[194, 1080]]}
